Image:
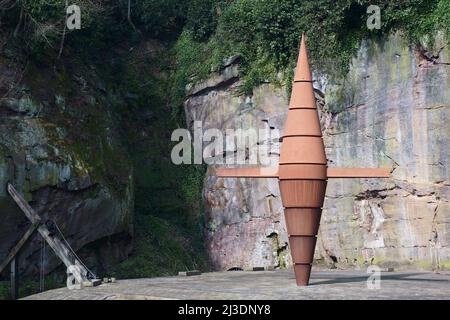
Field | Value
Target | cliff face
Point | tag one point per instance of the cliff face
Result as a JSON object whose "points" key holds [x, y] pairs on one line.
{"points": [[59, 149], [87, 142], [390, 110], [245, 225]]}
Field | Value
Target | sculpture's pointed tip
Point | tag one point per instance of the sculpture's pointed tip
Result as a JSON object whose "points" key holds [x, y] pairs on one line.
{"points": [[302, 90], [302, 72]]}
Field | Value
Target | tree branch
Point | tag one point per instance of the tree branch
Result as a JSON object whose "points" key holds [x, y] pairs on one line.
{"points": [[129, 17], [16, 30], [63, 38]]}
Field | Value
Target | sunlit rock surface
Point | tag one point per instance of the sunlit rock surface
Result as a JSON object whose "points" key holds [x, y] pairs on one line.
{"points": [[390, 110]]}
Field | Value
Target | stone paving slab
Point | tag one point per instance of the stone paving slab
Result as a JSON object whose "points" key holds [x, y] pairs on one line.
{"points": [[264, 285]]}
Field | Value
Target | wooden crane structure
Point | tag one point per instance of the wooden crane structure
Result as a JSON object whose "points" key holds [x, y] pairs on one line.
{"points": [[61, 248]]}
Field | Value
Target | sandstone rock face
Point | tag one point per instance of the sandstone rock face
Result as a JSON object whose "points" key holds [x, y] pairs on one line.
{"points": [[245, 222], [390, 110], [51, 170]]}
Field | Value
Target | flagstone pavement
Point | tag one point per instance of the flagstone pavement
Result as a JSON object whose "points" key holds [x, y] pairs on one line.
{"points": [[265, 285]]}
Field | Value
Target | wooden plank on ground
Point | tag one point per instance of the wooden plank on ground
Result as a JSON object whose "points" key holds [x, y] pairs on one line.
{"points": [[189, 273]]}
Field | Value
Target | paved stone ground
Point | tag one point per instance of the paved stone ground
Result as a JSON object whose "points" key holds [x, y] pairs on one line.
{"points": [[265, 285]]}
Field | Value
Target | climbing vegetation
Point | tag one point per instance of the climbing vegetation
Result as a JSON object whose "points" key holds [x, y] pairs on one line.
{"points": [[266, 34], [197, 35]]}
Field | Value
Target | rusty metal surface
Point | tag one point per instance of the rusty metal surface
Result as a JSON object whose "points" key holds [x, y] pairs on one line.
{"points": [[302, 122], [303, 73], [302, 96], [260, 172], [303, 193], [302, 221], [301, 149], [302, 170], [358, 172], [302, 273], [302, 248]]}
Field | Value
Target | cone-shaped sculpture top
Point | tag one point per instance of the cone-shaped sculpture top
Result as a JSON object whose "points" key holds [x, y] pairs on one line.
{"points": [[302, 90], [302, 72], [302, 136]]}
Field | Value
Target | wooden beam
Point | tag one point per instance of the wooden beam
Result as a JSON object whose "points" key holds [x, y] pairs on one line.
{"points": [[14, 251], [57, 245], [15, 278], [189, 273], [358, 172], [23, 205]]}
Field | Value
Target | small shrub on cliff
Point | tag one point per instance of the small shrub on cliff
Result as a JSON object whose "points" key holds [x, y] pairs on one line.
{"points": [[40, 24], [266, 33], [159, 18]]}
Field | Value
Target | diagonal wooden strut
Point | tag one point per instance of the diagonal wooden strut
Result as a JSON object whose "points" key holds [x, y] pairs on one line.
{"points": [[14, 251], [60, 249]]}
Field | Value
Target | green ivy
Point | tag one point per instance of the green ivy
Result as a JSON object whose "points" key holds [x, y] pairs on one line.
{"points": [[266, 33]]}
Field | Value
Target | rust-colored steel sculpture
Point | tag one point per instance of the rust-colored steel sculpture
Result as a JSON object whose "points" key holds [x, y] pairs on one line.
{"points": [[302, 170]]}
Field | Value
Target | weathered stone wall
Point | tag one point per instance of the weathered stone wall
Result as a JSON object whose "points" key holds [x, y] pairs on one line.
{"points": [[44, 148], [390, 110], [245, 224]]}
